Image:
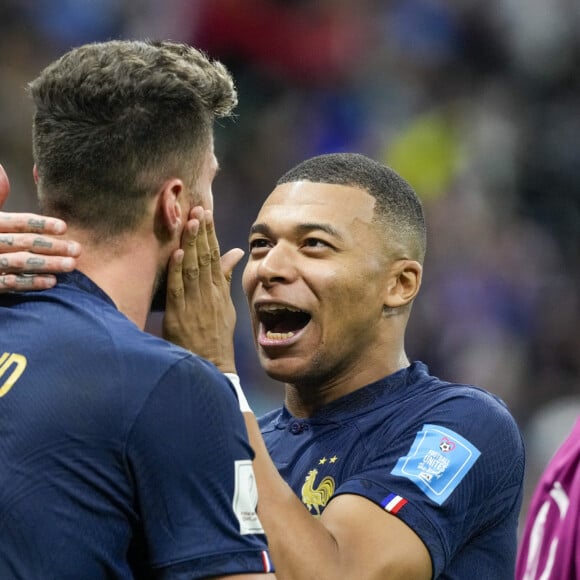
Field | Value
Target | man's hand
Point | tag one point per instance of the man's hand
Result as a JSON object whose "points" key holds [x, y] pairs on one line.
{"points": [[200, 314], [28, 250]]}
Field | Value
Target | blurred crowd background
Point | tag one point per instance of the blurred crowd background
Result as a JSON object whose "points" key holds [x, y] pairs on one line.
{"points": [[476, 104]]}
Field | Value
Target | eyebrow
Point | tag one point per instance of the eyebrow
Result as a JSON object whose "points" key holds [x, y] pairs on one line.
{"points": [[265, 230]]}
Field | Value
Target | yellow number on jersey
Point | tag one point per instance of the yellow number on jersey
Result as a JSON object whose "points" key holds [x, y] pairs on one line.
{"points": [[11, 367]]}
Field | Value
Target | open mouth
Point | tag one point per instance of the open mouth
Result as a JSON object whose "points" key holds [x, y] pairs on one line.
{"points": [[281, 322]]}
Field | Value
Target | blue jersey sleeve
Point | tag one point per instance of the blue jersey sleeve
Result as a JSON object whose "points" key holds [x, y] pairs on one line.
{"points": [[191, 464], [451, 475]]}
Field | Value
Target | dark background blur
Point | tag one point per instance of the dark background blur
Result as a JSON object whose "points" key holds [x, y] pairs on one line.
{"points": [[477, 104]]}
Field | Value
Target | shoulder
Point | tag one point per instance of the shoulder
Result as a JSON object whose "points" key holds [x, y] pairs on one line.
{"points": [[177, 372], [442, 420], [481, 415], [467, 407], [146, 368], [475, 431]]}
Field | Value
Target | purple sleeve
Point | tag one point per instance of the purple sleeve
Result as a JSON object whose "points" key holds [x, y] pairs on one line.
{"points": [[550, 545]]}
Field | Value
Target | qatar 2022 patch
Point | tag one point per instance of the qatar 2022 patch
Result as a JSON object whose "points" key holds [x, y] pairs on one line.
{"points": [[438, 460]]}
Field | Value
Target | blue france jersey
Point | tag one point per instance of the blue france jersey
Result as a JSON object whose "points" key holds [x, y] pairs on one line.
{"points": [[121, 455], [446, 459]]}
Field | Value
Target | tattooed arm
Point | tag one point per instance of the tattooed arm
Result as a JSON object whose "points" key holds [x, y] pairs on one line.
{"points": [[31, 249]]}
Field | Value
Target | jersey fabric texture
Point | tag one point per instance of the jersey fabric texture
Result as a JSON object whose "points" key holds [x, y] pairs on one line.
{"points": [[118, 451], [550, 546], [447, 459]]}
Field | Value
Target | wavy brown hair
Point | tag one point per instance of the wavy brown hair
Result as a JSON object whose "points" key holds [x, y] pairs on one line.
{"points": [[113, 120]]}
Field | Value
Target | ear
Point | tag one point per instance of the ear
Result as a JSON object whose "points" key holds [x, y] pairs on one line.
{"points": [[170, 207], [35, 174], [403, 284]]}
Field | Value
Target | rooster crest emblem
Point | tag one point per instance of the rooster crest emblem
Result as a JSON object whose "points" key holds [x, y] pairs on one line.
{"points": [[317, 496]]}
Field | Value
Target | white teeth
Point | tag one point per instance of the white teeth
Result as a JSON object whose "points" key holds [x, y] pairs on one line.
{"points": [[274, 308], [279, 335]]}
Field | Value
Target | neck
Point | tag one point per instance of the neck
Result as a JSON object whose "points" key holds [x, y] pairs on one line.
{"points": [[126, 269], [305, 397]]}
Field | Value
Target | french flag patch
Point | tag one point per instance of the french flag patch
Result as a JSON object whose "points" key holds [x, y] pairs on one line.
{"points": [[266, 562], [393, 503]]}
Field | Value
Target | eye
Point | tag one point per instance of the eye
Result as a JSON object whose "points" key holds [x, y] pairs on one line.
{"points": [[259, 243], [316, 243]]}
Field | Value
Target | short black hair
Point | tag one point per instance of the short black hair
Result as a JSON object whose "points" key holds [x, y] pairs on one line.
{"points": [[397, 205]]}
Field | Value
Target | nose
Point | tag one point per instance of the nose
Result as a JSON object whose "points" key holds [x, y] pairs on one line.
{"points": [[277, 266]]}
